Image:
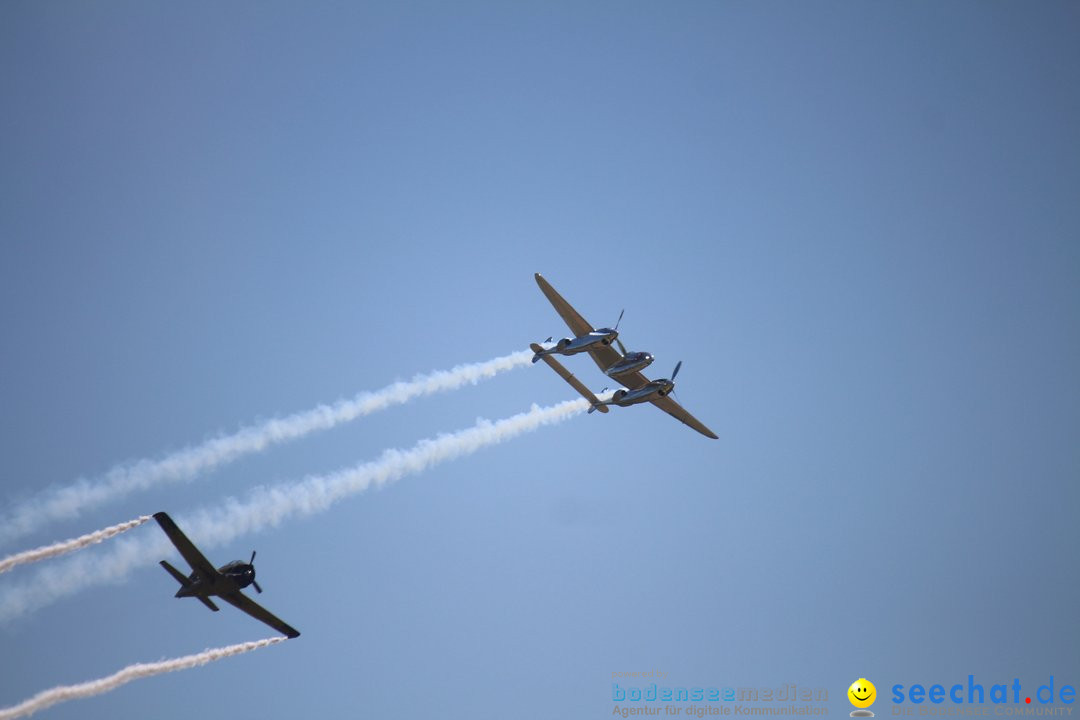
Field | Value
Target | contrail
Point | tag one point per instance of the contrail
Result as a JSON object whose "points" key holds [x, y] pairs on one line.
{"points": [[69, 501], [64, 547], [63, 693], [270, 506]]}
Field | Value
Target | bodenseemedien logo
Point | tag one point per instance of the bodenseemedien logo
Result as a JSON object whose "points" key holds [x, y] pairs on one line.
{"points": [[700, 701], [862, 695]]}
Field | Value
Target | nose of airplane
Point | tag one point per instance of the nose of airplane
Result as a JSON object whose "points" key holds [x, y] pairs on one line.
{"points": [[249, 573]]}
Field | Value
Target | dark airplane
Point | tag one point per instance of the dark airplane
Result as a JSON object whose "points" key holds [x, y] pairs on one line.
{"points": [[224, 582]]}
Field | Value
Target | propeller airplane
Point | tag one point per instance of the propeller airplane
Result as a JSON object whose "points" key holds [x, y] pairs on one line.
{"points": [[617, 364], [224, 582]]}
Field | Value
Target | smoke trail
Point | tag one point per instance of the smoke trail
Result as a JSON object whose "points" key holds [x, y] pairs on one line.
{"points": [[270, 506], [63, 548], [63, 693], [69, 501]]}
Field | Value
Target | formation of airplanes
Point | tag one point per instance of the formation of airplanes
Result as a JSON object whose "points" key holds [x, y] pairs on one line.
{"points": [[226, 582], [618, 365]]}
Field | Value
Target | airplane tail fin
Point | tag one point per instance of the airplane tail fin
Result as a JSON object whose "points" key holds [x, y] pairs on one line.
{"points": [[184, 583]]}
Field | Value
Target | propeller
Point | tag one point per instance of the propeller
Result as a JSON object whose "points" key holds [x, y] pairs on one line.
{"points": [[673, 374], [251, 562], [616, 329]]}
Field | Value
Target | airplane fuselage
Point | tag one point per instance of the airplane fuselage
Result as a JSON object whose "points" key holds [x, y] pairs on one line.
{"points": [[233, 576], [645, 393], [580, 344], [631, 362]]}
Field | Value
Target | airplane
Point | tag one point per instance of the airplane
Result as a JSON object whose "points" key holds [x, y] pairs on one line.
{"points": [[224, 582], [624, 367]]}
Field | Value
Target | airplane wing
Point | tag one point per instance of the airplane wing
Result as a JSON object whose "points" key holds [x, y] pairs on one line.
{"points": [[242, 602], [574, 321], [604, 356], [675, 410], [569, 377], [632, 380], [195, 559]]}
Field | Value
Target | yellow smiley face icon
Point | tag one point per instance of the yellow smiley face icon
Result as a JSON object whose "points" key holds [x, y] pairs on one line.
{"points": [[862, 693]]}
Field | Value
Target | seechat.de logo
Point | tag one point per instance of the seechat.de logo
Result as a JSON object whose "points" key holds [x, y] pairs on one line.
{"points": [[976, 693]]}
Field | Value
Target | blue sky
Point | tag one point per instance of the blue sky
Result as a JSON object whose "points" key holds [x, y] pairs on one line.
{"points": [[855, 223]]}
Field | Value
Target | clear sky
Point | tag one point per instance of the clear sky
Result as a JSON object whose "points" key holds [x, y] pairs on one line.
{"points": [[857, 224]]}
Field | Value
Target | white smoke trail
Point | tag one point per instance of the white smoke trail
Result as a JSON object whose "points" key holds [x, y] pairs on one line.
{"points": [[66, 546], [270, 506], [69, 501], [63, 693]]}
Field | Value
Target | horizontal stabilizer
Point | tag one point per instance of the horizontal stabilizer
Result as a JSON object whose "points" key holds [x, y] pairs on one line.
{"points": [[180, 577]]}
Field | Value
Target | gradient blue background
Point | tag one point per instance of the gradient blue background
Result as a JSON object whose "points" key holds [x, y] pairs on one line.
{"points": [[858, 225]]}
